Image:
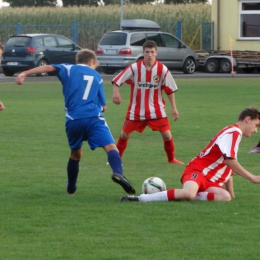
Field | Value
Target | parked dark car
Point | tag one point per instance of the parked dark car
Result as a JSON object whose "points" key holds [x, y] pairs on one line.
{"points": [[26, 51]]}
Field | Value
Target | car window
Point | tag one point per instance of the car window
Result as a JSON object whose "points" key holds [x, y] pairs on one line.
{"points": [[18, 41], [40, 40], [64, 43], [170, 41], [114, 39], [155, 37], [49, 41], [137, 39]]}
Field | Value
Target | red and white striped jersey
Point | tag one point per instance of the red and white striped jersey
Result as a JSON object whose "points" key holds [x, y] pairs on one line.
{"points": [[210, 162], [146, 100]]}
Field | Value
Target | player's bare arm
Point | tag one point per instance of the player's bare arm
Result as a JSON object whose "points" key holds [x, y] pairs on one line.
{"points": [[42, 69], [116, 95], [237, 168], [175, 113]]}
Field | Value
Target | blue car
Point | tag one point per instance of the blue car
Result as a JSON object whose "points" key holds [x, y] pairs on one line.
{"points": [[26, 51]]}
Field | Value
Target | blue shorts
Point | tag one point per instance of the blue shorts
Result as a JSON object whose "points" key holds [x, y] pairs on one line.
{"points": [[94, 130]]}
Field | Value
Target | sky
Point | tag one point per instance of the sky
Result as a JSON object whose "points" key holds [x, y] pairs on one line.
{"points": [[3, 4], [6, 4]]}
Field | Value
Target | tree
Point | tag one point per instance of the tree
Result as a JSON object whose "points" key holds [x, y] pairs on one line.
{"points": [[67, 3], [112, 2], [199, 1], [140, 2], [32, 3], [184, 1]]}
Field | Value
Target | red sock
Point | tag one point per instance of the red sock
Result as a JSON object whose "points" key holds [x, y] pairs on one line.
{"points": [[210, 196], [170, 194], [121, 145], [169, 149]]}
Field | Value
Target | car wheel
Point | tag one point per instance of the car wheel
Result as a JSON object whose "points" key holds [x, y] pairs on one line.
{"points": [[109, 71], [42, 63], [212, 66], [248, 70], [225, 66], [189, 66], [9, 73]]}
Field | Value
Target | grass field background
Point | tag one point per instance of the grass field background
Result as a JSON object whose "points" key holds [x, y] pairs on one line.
{"points": [[39, 220]]}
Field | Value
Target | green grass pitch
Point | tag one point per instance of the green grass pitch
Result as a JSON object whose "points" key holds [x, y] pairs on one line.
{"points": [[40, 221]]}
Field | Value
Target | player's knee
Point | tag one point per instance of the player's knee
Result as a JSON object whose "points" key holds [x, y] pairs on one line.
{"points": [[225, 196], [110, 147], [187, 195], [125, 135], [76, 154], [166, 135], [167, 138]]}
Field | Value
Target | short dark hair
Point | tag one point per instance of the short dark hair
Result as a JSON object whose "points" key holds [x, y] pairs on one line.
{"points": [[150, 44], [253, 112], [84, 56]]}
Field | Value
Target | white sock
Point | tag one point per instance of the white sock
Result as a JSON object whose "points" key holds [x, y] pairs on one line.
{"points": [[201, 196], [158, 196]]}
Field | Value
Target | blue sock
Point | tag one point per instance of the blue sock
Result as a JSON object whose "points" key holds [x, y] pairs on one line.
{"points": [[72, 170], [115, 161]]}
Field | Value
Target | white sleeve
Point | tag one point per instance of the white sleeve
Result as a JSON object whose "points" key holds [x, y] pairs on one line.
{"points": [[229, 144], [169, 82], [122, 77]]}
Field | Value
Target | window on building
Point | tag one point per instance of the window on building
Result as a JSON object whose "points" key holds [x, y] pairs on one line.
{"points": [[249, 19]]}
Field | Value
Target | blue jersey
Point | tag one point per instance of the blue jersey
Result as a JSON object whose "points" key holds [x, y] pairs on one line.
{"points": [[83, 90]]}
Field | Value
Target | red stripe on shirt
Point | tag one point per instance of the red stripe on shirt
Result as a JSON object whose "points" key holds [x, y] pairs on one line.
{"points": [[156, 92]]}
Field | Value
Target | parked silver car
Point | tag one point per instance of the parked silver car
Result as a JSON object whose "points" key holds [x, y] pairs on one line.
{"points": [[120, 48]]}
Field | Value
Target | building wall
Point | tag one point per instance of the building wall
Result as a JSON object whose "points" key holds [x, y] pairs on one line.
{"points": [[229, 26]]}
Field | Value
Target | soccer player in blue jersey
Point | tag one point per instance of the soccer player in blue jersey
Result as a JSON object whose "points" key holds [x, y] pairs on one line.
{"points": [[85, 101]]}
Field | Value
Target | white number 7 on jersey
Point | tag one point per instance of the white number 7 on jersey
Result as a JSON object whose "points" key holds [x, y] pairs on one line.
{"points": [[89, 80]]}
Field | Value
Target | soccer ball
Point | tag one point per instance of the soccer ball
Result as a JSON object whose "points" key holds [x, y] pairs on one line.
{"points": [[152, 185]]}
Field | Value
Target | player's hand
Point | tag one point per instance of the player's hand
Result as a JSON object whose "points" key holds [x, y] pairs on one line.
{"points": [[117, 99], [104, 108], [20, 78], [175, 114], [1, 106], [256, 179]]}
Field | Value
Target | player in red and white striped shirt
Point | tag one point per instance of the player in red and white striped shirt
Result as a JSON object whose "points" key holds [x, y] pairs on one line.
{"points": [[212, 169], [147, 79]]}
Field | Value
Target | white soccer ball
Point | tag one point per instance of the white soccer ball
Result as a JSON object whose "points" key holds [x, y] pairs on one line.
{"points": [[152, 185]]}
